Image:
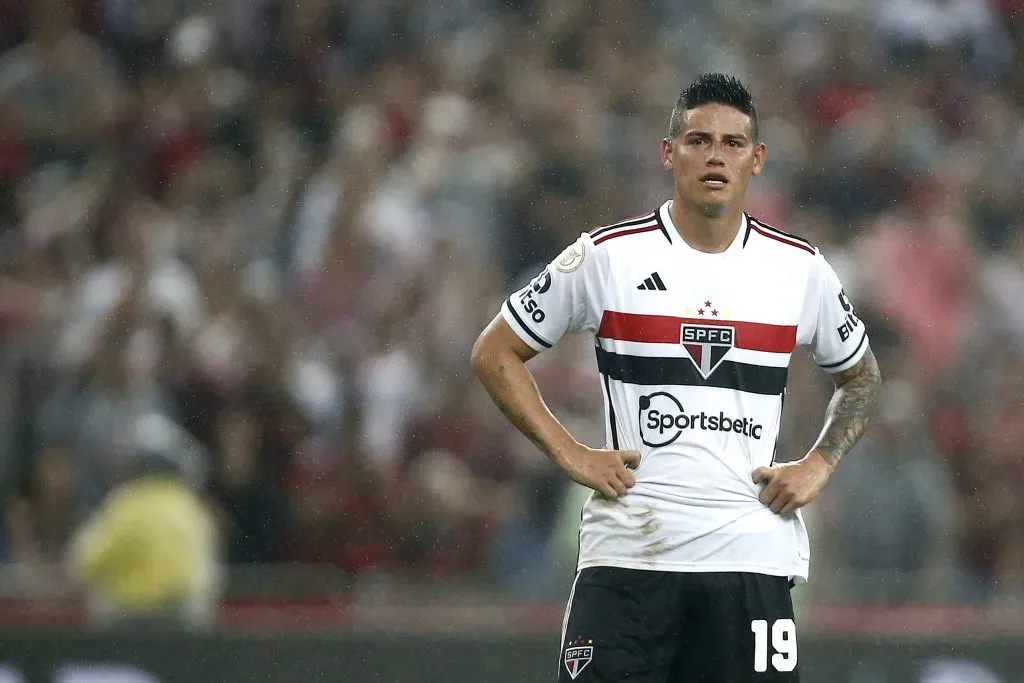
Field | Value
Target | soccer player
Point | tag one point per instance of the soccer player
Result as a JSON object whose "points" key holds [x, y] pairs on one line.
{"points": [[692, 537]]}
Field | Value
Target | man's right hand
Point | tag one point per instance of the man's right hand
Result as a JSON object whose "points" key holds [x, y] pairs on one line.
{"points": [[605, 471]]}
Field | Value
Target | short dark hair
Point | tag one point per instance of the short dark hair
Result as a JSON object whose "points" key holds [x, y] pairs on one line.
{"points": [[713, 88]]}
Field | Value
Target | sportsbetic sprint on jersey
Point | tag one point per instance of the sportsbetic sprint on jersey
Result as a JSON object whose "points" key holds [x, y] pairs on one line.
{"points": [[663, 420]]}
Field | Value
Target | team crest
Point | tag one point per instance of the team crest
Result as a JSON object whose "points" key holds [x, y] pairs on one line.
{"points": [[577, 655], [572, 257], [707, 345]]}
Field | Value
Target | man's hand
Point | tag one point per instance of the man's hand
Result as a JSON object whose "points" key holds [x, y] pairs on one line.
{"points": [[790, 486], [606, 472]]}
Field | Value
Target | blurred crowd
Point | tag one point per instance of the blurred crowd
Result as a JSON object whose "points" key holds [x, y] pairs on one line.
{"points": [[281, 224]]}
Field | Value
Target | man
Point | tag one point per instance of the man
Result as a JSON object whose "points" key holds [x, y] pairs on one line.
{"points": [[692, 537]]}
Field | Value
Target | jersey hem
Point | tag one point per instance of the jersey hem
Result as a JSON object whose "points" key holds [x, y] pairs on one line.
{"points": [[797, 573]]}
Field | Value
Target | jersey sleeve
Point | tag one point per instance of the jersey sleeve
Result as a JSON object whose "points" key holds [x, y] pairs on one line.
{"points": [[829, 326], [559, 300]]}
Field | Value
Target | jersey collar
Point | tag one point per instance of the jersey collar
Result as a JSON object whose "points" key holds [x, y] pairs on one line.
{"points": [[668, 227]]}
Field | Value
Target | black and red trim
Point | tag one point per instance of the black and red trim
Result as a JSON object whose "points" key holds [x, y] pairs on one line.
{"points": [[644, 223], [778, 235], [610, 236], [629, 222]]}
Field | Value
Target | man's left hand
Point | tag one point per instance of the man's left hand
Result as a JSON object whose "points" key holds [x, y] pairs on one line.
{"points": [[789, 486]]}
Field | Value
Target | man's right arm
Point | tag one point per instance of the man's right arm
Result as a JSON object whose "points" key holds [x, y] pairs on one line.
{"points": [[499, 360]]}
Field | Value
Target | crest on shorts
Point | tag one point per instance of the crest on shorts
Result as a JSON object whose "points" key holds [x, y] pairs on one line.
{"points": [[577, 655]]}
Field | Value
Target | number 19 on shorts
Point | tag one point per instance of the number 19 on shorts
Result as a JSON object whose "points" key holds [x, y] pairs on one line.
{"points": [[783, 644]]}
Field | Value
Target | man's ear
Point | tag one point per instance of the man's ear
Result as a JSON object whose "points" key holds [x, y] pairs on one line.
{"points": [[666, 153], [760, 157]]}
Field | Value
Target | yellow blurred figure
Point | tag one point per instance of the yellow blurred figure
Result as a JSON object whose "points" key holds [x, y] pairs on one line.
{"points": [[150, 551]]}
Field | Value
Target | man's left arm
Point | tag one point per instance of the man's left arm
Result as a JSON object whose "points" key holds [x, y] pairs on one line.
{"points": [[849, 411], [790, 486]]}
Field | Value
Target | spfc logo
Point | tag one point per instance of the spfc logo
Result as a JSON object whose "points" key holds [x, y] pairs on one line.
{"points": [[577, 656], [707, 345]]}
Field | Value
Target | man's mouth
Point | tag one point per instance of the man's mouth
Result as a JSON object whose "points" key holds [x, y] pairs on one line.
{"points": [[714, 179]]}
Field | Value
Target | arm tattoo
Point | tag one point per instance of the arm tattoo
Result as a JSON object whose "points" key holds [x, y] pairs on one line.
{"points": [[850, 409]]}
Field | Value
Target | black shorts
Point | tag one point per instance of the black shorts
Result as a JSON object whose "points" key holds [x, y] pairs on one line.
{"points": [[673, 627]]}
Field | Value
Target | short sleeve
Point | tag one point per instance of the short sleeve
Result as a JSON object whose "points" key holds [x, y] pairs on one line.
{"points": [[558, 300], [829, 326]]}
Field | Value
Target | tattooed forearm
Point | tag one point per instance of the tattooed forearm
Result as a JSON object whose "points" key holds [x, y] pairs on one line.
{"points": [[850, 409]]}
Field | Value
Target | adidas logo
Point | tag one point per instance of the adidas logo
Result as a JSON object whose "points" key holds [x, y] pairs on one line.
{"points": [[653, 283]]}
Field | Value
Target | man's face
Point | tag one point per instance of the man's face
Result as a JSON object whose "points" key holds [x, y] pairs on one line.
{"points": [[713, 158]]}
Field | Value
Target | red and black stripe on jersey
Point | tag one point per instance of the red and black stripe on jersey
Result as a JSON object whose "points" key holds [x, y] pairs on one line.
{"points": [[661, 329], [647, 222], [664, 329]]}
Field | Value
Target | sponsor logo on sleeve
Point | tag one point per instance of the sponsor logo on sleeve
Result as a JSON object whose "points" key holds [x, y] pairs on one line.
{"points": [[851, 322], [528, 296], [530, 305], [542, 282]]}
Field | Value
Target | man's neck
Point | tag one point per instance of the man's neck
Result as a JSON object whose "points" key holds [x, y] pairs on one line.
{"points": [[710, 234]]}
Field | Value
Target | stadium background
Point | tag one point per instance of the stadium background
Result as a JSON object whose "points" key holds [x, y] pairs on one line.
{"points": [[281, 223]]}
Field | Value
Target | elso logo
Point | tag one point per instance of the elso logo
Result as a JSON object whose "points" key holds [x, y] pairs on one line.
{"points": [[663, 420]]}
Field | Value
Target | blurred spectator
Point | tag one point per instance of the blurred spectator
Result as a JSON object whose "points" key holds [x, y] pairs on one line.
{"points": [[338, 510], [63, 95], [921, 270], [148, 555], [913, 28], [988, 475], [246, 487], [40, 521]]}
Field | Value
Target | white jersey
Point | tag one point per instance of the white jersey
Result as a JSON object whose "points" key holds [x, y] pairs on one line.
{"points": [[693, 351]]}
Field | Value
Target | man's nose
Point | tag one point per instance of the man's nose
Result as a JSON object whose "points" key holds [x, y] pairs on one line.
{"points": [[714, 155]]}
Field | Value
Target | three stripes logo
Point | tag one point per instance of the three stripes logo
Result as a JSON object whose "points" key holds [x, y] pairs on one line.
{"points": [[653, 283]]}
